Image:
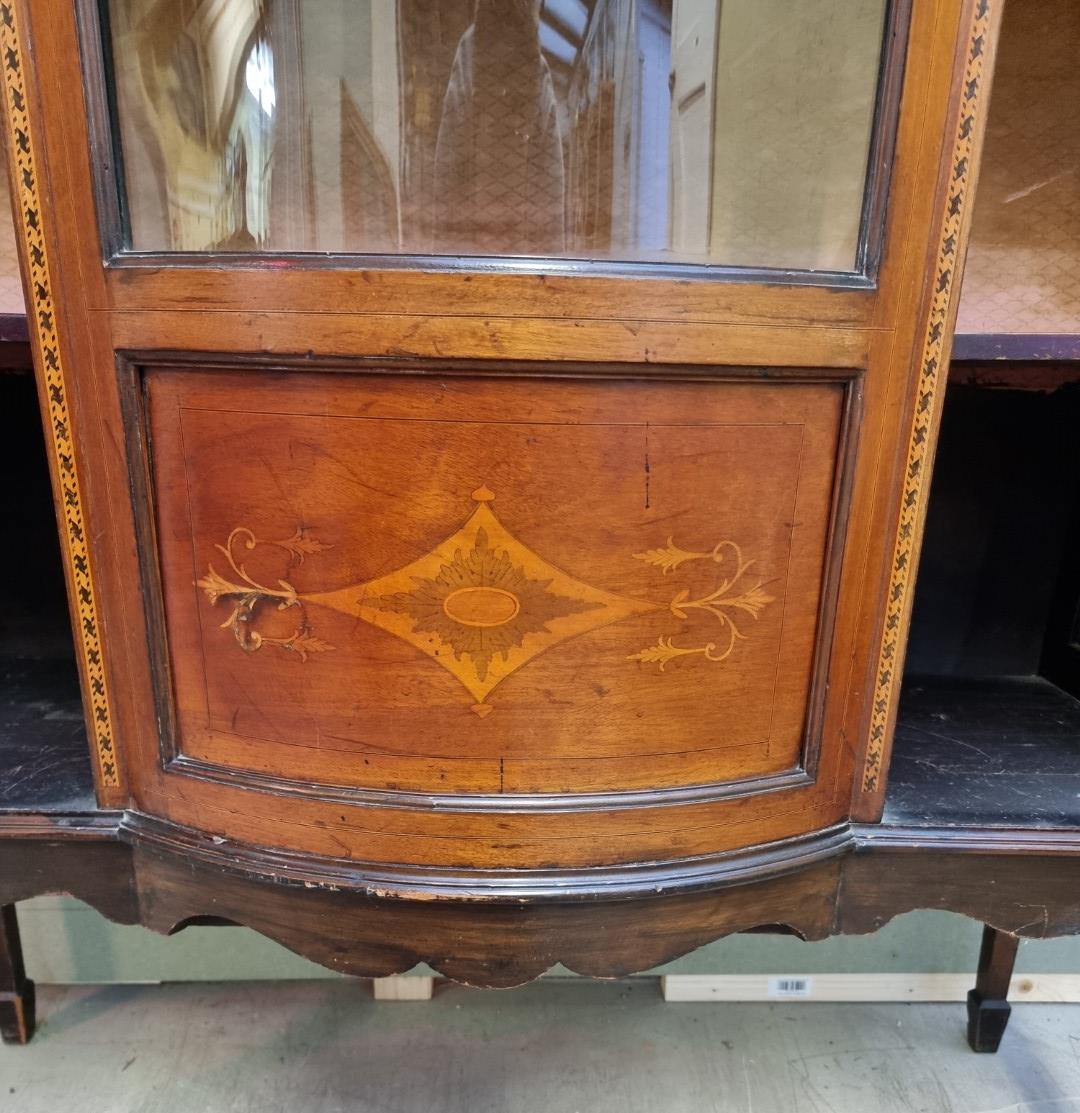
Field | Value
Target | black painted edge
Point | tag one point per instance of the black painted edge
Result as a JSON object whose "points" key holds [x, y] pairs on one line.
{"points": [[790, 853], [13, 328], [489, 367], [1041, 841], [61, 826], [524, 267], [528, 886], [1015, 346]]}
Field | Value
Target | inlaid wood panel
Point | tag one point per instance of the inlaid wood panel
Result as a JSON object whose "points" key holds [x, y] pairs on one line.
{"points": [[455, 584]]}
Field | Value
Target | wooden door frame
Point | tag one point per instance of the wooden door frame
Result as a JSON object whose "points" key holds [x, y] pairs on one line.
{"points": [[895, 333]]}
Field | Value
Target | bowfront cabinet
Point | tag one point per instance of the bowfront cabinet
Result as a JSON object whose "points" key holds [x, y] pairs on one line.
{"points": [[506, 410], [490, 445]]}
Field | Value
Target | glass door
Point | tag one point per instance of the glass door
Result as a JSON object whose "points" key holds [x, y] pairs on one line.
{"points": [[642, 131], [501, 427]]}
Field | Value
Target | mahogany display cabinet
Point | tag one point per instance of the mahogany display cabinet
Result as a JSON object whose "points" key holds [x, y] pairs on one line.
{"points": [[491, 446]]}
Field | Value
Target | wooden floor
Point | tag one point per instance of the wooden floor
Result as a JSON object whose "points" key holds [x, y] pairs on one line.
{"points": [[557, 1047]]}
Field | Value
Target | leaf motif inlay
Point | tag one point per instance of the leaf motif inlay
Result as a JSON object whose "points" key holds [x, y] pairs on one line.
{"points": [[482, 604]]}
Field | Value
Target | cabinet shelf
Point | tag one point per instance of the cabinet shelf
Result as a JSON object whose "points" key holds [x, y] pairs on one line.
{"points": [[985, 752], [1016, 347], [44, 762]]}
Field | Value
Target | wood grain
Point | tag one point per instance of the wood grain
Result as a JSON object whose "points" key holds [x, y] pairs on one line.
{"points": [[589, 479], [620, 350]]}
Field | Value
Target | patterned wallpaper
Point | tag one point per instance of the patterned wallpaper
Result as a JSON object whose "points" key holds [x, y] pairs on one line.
{"points": [[1023, 270], [11, 294]]}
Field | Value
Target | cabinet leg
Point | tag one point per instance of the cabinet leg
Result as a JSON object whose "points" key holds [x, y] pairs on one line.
{"points": [[16, 989], [987, 1004]]}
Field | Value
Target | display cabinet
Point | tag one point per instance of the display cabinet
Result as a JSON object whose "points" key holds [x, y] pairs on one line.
{"points": [[490, 446]]}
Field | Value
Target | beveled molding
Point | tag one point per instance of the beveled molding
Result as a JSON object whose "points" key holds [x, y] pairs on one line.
{"points": [[1012, 841], [450, 803], [426, 883], [880, 838], [131, 366]]}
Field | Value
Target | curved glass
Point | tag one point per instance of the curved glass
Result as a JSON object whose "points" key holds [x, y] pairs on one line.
{"points": [[729, 132]]}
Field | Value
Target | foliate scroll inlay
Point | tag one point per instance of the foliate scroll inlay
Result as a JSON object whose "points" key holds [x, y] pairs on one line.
{"points": [[731, 599], [248, 594], [481, 604]]}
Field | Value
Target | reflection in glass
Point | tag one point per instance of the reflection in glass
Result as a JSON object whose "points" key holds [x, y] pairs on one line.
{"points": [[700, 131]]}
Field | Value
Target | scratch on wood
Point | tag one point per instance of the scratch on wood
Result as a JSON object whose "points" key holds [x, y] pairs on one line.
{"points": [[648, 468]]}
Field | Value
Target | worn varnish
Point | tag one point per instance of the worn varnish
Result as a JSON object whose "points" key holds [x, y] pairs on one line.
{"points": [[493, 617], [44, 764], [454, 570], [985, 752], [434, 582]]}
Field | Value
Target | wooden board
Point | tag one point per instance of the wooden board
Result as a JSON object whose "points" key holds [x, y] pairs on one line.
{"points": [[519, 585]]}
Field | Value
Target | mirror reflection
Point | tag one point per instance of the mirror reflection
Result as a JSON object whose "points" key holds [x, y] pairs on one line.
{"points": [[735, 132]]}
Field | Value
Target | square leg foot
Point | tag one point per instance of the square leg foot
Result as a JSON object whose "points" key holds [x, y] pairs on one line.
{"points": [[987, 1020], [17, 1014]]}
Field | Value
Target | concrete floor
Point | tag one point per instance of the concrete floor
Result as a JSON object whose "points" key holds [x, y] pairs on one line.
{"points": [[556, 1047]]}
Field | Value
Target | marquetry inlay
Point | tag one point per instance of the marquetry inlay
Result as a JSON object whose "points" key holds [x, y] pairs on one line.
{"points": [[732, 599], [22, 146], [933, 367], [482, 604]]}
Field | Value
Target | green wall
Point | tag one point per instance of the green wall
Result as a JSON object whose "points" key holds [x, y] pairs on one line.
{"points": [[66, 941]]}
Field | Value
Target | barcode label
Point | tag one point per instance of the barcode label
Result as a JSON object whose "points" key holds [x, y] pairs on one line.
{"points": [[790, 987]]}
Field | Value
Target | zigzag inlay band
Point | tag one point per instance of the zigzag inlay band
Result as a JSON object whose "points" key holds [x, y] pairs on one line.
{"points": [[932, 374], [43, 321]]}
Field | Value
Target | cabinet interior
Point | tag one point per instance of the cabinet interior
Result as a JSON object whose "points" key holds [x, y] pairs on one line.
{"points": [[989, 724], [44, 761]]}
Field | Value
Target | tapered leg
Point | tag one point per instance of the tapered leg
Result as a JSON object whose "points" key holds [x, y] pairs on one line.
{"points": [[16, 989], [988, 1006]]}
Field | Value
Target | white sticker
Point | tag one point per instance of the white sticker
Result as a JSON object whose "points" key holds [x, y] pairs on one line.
{"points": [[790, 987]]}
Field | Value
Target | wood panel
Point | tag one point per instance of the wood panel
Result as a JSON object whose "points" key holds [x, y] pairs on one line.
{"points": [[439, 581], [245, 284]]}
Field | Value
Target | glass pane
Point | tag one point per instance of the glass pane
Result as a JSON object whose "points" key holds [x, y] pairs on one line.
{"points": [[733, 133]]}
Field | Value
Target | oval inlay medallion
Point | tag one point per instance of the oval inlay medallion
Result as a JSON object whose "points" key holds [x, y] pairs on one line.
{"points": [[481, 606]]}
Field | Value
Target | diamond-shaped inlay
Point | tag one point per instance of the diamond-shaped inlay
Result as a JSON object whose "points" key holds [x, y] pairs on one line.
{"points": [[482, 604]]}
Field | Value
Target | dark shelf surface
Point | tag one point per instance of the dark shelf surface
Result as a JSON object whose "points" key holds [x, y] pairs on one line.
{"points": [[44, 761], [985, 752], [13, 328], [1015, 346]]}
